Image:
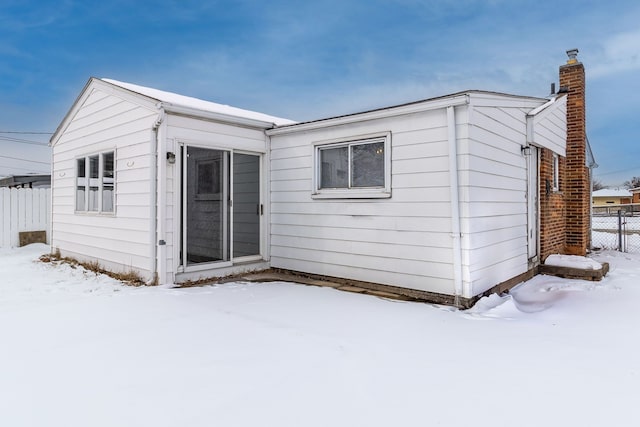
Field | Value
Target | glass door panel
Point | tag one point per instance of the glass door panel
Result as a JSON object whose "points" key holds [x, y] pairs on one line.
{"points": [[246, 205], [207, 205]]}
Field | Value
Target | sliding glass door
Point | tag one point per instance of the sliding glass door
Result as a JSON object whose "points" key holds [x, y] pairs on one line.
{"points": [[220, 206], [246, 205]]}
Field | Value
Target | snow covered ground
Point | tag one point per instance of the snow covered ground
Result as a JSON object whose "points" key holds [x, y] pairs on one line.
{"points": [[605, 232], [83, 350]]}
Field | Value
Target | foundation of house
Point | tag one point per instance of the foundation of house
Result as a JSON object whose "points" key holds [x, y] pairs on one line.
{"points": [[29, 237], [379, 290], [404, 294]]}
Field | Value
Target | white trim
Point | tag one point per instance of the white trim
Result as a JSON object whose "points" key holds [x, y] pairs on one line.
{"points": [[544, 106], [228, 212], [352, 192], [401, 110], [538, 115], [207, 266], [555, 185], [100, 181], [533, 211], [218, 117], [456, 229], [95, 84], [161, 187], [265, 191]]}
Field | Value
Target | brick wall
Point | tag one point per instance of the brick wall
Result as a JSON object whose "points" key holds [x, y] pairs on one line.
{"points": [[565, 213], [552, 206], [576, 180]]}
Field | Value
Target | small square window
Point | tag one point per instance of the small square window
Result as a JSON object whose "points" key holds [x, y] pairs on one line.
{"points": [[555, 170], [353, 168], [208, 183], [334, 167], [108, 182], [367, 168]]}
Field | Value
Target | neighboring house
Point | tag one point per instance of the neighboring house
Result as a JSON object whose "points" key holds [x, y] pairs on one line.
{"points": [[635, 195], [611, 196], [26, 181], [445, 199]]}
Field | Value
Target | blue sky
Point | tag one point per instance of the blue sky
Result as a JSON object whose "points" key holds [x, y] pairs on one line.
{"points": [[311, 59]]}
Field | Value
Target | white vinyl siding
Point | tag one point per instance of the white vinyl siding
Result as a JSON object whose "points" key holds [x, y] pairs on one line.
{"points": [[400, 241], [547, 126], [406, 240], [493, 193], [205, 134], [105, 123], [399, 234]]}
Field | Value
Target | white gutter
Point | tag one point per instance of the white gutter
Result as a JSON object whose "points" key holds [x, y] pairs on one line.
{"points": [[161, 199], [456, 232], [220, 117], [153, 203], [401, 110]]}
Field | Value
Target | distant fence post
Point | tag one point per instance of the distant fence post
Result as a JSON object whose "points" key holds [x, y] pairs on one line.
{"points": [[620, 230], [23, 209]]}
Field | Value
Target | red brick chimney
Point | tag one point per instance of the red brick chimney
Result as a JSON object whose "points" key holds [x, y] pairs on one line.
{"points": [[576, 181]]}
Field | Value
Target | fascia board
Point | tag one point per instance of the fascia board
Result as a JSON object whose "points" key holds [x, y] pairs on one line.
{"points": [[539, 114], [97, 84], [482, 99], [372, 115], [218, 117], [72, 111], [129, 95]]}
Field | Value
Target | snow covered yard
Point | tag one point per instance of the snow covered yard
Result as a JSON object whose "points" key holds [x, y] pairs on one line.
{"points": [[83, 350]]}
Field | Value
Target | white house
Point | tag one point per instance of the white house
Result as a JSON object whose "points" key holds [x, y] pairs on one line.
{"points": [[144, 180], [436, 198], [611, 196]]}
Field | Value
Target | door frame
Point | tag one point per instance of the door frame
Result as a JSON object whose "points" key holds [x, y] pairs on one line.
{"points": [[181, 201], [533, 204], [261, 226]]}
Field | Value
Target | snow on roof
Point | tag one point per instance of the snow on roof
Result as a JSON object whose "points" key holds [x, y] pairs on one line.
{"points": [[175, 99], [612, 192]]}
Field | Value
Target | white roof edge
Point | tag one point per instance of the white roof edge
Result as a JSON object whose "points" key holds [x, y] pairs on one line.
{"points": [[228, 118], [67, 117], [612, 192], [539, 114], [426, 105], [544, 106], [201, 108]]}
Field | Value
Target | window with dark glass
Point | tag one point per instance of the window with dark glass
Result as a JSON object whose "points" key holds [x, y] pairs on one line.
{"points": [[107, 182], [556, 172], [95, 183], [352, 165]]}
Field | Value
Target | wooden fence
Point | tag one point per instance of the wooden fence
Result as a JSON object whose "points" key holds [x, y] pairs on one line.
{"points": [[23, 209]]}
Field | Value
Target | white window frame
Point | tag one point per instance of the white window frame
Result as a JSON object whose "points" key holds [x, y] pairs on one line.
{"points": [[555, 172], [352, 192], [100, 183]]}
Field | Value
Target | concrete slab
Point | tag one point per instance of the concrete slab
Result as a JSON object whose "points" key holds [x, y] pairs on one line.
{"points": [[575, 273]]}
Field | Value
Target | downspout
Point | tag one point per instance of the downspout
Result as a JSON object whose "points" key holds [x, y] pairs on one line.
{"points": [[456, 233], [51, 190], [162, 203], [156, 164]]}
